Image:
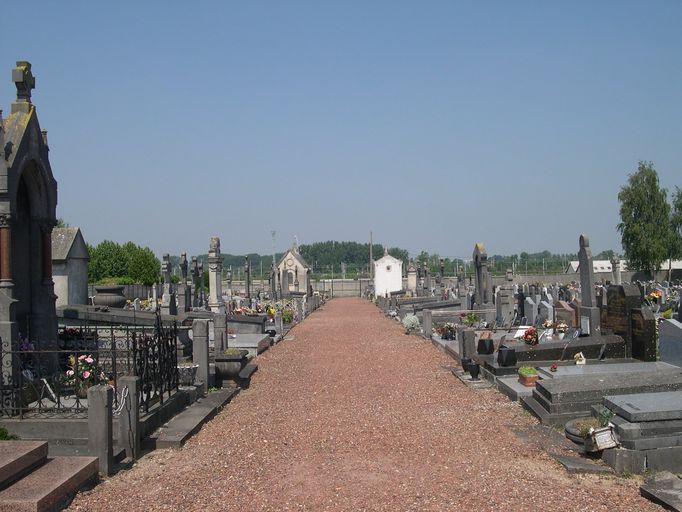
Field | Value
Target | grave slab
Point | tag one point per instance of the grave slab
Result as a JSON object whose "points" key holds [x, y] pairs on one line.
{"points": [[665, 489], [602, 369], [647, 406]]}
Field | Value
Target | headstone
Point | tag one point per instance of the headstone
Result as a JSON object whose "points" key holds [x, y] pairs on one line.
{"points": [[563, 312], [621, 300], [671, 341], [504, 306], [483, 293], [215, 277], [200, 350], [644, 336], [136, 304], [247, 276], [589, 312], [531, 311], [168, 301], [412, 278], [545, 311]]}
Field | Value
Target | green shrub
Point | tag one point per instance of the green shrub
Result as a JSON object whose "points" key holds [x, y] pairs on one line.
{"points": [[527, 371], [287, 316], [6, 436], [668, 314]]}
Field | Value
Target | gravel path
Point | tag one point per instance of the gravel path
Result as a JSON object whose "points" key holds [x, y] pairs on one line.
{"points": [[355, 415]]}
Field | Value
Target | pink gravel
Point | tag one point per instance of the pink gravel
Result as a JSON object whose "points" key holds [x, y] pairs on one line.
{"points": [[355, 415]]}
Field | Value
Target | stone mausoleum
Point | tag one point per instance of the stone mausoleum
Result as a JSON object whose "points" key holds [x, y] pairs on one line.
{"points": [[388, 275], [28, 202], [70, 266]]}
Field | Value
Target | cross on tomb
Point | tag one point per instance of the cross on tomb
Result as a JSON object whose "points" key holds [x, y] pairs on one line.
{"points": [[24, 80]]}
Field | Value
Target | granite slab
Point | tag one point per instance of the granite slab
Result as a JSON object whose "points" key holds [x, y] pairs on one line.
{"points": [[643, 407], [602, 369]]}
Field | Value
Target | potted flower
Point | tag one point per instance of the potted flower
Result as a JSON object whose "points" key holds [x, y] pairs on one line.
{"points": [[554, 367], [447, 331], [530, 336], [561, 329], [528, 376], [84, 372], [548, 324], [410, 323]]}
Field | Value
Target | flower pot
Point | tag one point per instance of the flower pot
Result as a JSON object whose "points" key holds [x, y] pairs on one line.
{"points": [[485, 346], [82, 390], [474, 370], [528, 380], [466, 361], [506, 356], [109, 295]]}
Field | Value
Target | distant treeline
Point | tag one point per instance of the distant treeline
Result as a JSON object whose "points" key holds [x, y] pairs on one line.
{"points": [[326, 258]]}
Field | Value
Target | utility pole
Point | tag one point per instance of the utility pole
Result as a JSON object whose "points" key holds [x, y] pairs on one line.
{"points": [[371, 259]]}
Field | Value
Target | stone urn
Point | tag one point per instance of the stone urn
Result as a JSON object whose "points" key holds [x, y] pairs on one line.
{"points": [[228, 366], [109, 295], [187, 374]]}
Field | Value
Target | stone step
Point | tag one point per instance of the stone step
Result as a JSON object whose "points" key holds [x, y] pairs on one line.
{"points": [[557, 420], [184, 425], [50, 485], [17, 458]]}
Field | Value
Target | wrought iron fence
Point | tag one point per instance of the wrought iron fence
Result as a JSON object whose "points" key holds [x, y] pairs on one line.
{"points": [[51, 380]]}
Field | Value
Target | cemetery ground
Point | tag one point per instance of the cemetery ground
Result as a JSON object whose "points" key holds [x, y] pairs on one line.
{"points": [[349, 413]]}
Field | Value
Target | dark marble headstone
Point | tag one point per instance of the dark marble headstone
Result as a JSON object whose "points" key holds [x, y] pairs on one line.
{"points": [[671, 341], [643, 325], [621, 300]]}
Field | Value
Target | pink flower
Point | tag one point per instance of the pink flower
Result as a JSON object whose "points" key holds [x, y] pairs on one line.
{"points": [[80, 358], [69, 373], [89, 360], [86, 374]]}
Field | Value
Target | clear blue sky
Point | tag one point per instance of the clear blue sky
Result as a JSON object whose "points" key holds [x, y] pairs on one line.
{"points": [[434, 124]]}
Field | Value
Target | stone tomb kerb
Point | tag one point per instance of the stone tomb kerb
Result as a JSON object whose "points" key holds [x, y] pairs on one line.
{"points": [[28, 201]]}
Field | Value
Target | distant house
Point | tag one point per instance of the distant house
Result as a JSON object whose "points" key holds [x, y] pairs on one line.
{"points": [[69, 266], [293, 272], [599, 266], [388, 275]]}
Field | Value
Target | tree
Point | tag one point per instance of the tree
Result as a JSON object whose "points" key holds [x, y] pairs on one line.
{"points": [[675, 241], [645, 220], [107, 259], [62, 224], [143, 266]]}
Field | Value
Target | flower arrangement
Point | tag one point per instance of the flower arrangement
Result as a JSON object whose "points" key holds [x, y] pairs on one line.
{"points": [[287, 315], [446, 330], [530, 336], [85, 371], [655, 295], [548, 324], [561, 327], [470, 319], [25, 345], [410, 323], [553, 368], [270, 311]]}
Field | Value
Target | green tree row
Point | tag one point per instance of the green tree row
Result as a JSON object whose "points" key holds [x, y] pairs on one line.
{"points": [[123, 264], [650, 226]]}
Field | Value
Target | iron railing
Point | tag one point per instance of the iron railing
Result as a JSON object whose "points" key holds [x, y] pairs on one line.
{"points": [[52, 381]]}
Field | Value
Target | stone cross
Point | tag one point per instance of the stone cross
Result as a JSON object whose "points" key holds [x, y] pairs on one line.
{"points": [[586, 273], [183, 267], [615, 269], [166, 269], [247, 276], [23, 80]]}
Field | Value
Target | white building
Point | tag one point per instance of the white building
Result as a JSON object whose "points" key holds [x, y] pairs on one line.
{"points": [[388, 275]]}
